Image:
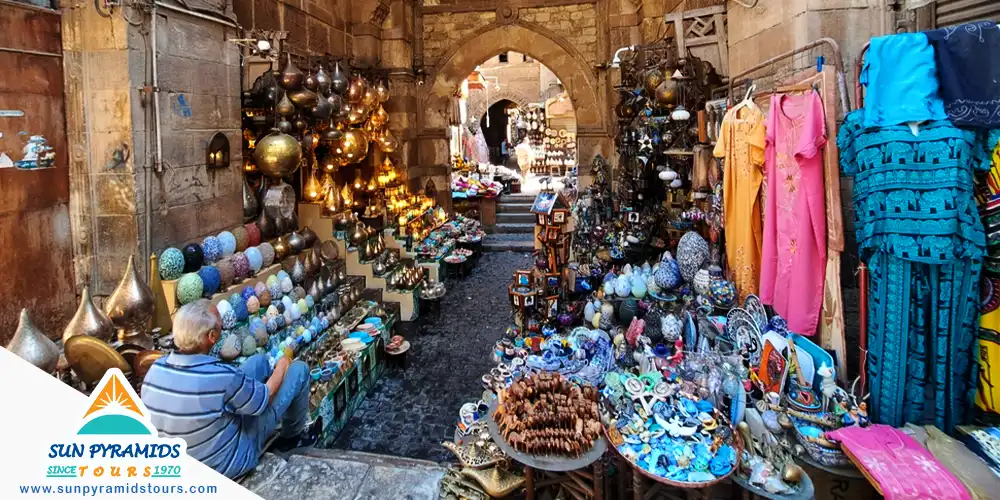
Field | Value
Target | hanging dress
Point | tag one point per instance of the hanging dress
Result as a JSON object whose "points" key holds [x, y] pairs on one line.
{"points": [[741, 143], [919, 232], [988, 199], [793, 264]]}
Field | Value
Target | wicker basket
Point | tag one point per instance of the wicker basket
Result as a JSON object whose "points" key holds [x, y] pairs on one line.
{"points": [[824, 456]]}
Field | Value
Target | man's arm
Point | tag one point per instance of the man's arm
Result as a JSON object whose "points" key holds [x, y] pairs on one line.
{"points": [[277, 376]]}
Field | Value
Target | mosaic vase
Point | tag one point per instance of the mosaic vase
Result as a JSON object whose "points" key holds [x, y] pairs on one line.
{"points": [[721, 291], [672, 327], [692, 252], [668, 276], [701, 281]]}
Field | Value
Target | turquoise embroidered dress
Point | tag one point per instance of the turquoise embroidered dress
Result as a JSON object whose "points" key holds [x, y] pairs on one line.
{"points": [[919, 231]]}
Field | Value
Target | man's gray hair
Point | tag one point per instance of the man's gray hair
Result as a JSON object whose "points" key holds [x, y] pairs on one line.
{"points": [[192, 323]]}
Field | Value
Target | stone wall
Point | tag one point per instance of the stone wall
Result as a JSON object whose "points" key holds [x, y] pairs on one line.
{"points": [[314, 27], [443, 32], [578, 23]]}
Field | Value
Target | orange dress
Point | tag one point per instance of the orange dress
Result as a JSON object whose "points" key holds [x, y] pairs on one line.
{"points": [[742, 141]]}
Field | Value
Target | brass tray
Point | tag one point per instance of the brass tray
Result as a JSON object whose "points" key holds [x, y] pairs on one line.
{"points": [[91, 357], [144, 360]]}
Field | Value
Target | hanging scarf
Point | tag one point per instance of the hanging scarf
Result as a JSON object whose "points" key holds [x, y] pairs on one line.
{"points": [[968, 67]]}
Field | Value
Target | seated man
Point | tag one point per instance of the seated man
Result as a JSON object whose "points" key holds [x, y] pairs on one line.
{"points": [[224, 413]]}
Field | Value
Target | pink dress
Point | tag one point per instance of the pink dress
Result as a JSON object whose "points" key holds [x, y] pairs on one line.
{"points": [[793, 260], [903, 469]]}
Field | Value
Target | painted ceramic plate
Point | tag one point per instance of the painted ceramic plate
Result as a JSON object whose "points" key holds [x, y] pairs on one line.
{"points": [[755, 307]]}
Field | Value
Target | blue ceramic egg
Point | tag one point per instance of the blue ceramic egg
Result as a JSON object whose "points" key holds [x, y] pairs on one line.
{"points": [[281, 275], [241, 311], [286, 285], [228, 242], [171, 264], [275, 291], [211, 279], [189, 288], [194, 257], [248, 292], [253, 305], [255, 259], [211, 248], [227, 314], [310, 301], [271, 325]]}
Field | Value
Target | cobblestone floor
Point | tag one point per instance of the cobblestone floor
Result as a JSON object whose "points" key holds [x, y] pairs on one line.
{"points": [[410, 412]]}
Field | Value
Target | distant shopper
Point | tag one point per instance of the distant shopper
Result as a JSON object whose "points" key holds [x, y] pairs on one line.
{"points": [[224, 413], [525, 156]]}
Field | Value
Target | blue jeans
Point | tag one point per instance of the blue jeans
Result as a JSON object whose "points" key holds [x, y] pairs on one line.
{"points": [[290, 406]]}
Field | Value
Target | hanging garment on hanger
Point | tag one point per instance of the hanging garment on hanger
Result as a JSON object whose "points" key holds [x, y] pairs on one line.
{"points": [[988, 200], [968, 67], [741, 144], [482, 149], [793, 263], [919, 232], [902, 469], [901, 81]]}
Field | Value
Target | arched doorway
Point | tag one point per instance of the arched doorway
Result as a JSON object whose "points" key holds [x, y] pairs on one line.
{"points": [[578, 77]]}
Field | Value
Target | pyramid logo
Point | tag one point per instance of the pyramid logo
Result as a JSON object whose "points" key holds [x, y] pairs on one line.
{"points": [[115, 409]]}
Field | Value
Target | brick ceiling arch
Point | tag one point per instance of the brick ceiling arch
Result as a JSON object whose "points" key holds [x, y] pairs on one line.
{"points": [[477, 111], [541, 44]]}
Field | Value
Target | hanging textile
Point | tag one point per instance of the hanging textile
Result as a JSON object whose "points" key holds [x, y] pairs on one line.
{"points": [[968, 67], [902, 86], [482, 149], [919, 232], [793, 263], [741, 143], [975, 475], [900, 467], [988, 199]]}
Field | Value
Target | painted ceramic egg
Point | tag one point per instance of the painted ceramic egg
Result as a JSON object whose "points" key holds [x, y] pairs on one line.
{"points": [[260, 335], [241, 266], [231, 348], [299, 292], [275, 292], [324, 322], [668, 276], [701, 281], [272, 280], [638, 286], [253, 233], [235, 299], [211, 280], [271, 325], [272, 311], [282, 274], [651, 286], [211, 248], [259, 288], [303, 307], [189, 288], [228, 242], [588, 312], [264, 298], [606, 322], [597, 320], [627, 270], [241, 311], [692, 252], [226, 313], [241, 237], [247, 292], [267, 253], [310, 301], [646, 269], [286, 285], [609, 288], [672, 326], [609, 277], [287, 303], [622, 286], [608, 310], [253, 305], [171, 264], [280, 319], [289, 317], [226, 272], [249, 345], [255, 259]]}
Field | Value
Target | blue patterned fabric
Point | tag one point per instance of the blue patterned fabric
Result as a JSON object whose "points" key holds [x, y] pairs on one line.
{"points": [[968, 62], [919, 231], [901, 79]]}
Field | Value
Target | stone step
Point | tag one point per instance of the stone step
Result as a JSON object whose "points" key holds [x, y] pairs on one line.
{"points": [[515, 227], [520, 197], [503, 207], [516, 217], [343, 475], [512, 242]]}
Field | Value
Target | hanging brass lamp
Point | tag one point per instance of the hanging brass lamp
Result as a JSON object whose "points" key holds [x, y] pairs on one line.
{"points": [[312, 192]]}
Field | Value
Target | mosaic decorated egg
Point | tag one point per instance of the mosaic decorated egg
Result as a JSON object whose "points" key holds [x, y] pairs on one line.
{"points": [[286, 303], [272, 280], [193, 257], [255, 259], [267, 253], [692, 252], [286, 285], [672, 327], [299, 292], [226, 271], [231, 348], [240, 309], [211, 279], [272, 311], [249, 345], [260, 335], [623, 288], [651, 286], [668, 276], [609, 288], [310, 301], [271, 325], [253, 233], [171, 264], [227, 314], [303, 307], [253, 305], [264, 297], [241, 266], [282, 274], [228, 242], [247, 292], [259, 288], [701, 282], [242, 238], [289, 319], [211, 248], [639, 286], [275, 292], [189, 288]]}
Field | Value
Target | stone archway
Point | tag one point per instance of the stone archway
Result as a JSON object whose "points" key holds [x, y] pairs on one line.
{"points": [[478, 109], [579, 78]]}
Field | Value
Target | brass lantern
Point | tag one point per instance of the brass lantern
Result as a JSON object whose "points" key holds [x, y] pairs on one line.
{"points": [[356, 89], [387, 143], [379, 117], [382, 91], [277, 155], [312, 192], [358, 114], [354, 146]]}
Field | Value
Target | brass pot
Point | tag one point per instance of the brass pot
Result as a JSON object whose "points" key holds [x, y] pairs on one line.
{"points": [[303, 98], [296, 243], [291, 77], [130, 306], [277, 155], [89, 320], [354, 145], [33, 346]]}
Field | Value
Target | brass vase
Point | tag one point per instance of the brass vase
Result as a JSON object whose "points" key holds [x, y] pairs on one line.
{"points": [[161, 312], [89, 320], [33, 346], [130, 306]]}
